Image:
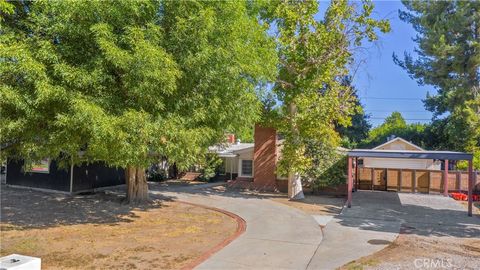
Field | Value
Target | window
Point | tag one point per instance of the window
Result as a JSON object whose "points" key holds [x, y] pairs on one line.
{"points": [[41, 166], [247, 167]]}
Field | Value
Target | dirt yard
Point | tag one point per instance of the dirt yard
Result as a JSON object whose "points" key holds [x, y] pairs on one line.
{"points": [[315, 205], [312, 204], [100, 232], [413, 251], [421, 252]]}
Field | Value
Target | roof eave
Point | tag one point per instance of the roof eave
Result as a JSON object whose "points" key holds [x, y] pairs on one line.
{"points": [[410, 154]]}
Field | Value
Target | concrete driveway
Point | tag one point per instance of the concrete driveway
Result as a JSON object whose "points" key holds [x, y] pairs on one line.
{"points": [[277, 236], [423, 214], [376, 218], [281, 237]]}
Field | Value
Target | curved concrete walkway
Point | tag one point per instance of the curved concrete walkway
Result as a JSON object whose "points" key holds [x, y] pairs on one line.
{"points": [[282, 237], [277, 236]]}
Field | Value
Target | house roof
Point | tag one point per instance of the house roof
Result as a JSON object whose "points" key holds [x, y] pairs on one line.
{"points": [[231, 150], [410, 154], [402, 140]]}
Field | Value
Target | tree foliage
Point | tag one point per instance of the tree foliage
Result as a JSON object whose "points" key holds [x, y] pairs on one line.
{"points": [[125, 83], [396, 125], [360, 126], [449, 59], [313, 57], [328, 166]]}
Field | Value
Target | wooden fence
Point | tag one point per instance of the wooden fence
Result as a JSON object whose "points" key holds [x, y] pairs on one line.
{"points": [[409, 180]]}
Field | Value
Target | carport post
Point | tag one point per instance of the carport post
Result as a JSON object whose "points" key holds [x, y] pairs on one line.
{"points": [[470, 187], [355, 180], [231, 169], [349, 178], [445, 179]]}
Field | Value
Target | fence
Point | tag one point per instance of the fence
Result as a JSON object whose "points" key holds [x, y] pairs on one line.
{"points": [[409, 180]]}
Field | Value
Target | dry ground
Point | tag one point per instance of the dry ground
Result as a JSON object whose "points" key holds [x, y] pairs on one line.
{"points": [[412, 251], [178, 183], [100, 232], [315, 205], [312, 204]]}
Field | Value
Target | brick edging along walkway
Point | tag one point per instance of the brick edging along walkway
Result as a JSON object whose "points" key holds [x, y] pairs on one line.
{"points": [[241, 227]]}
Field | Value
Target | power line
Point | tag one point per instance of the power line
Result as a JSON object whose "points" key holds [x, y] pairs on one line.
{"points": [[401, 111], [392, 98], [409, 119]]}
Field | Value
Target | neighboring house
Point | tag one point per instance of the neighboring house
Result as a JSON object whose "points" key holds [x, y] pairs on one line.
{"points": [[401, 163], [46, 175]]}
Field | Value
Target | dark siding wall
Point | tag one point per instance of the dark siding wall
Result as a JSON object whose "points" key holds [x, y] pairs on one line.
{"points": [[96, 175], [57, 179]]}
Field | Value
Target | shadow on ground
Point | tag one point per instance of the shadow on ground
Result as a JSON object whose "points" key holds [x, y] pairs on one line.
{"points": [[24, 209], [323, 205], [420, 214]]}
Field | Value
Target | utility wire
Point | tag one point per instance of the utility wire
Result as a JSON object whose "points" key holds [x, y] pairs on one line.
{"points": [[392, 98], [410, 119], [401, 111]]}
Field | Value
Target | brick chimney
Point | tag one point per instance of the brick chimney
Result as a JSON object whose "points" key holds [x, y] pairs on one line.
{"points": [[265, 157], [230, 138]]}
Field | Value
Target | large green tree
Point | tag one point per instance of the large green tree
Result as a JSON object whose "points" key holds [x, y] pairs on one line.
{"points": [[126, 82], [448, 57], [396, 125], [360, 126], [314, 55]]}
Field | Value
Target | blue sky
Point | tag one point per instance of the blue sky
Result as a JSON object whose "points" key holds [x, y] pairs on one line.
{"points": [[383, 86]]}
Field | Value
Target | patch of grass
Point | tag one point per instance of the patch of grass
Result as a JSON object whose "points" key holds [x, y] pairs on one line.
{"points": [[354, 266], [181, 258], [100, 256], [179, 231], [142, 249], [9, 227], [25, 246], [131, 266], [357, 265], [69, 260]]}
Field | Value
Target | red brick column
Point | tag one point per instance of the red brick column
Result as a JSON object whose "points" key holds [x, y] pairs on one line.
{"points": [[265, 157]]}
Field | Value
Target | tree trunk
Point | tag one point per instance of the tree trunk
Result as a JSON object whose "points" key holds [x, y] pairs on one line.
{"points": [[165, 168], [295, 191], [137, 186]]}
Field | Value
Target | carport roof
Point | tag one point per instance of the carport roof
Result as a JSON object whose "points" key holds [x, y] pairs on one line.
{"points": [[410, 154]]}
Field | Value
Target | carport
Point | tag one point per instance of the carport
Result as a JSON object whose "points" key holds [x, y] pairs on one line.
{"points": [[439, 155]]}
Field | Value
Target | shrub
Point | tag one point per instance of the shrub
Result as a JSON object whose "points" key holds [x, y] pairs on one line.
{"points": [[328, 167], [156, 174], [211, 167]]}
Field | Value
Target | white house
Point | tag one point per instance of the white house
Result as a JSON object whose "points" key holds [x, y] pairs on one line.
{"points": [[401, 163], [237, 159]]}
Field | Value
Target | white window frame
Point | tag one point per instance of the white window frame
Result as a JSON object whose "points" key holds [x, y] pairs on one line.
{"points": [[241, 168]]}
